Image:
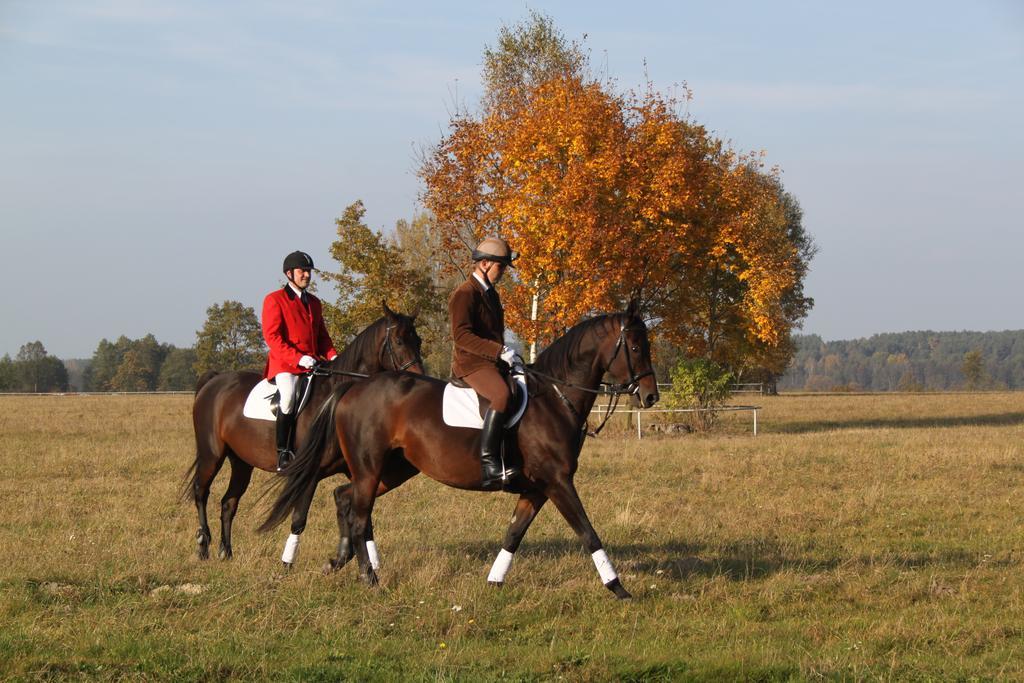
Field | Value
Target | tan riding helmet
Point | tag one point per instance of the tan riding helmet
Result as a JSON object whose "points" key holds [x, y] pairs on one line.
{"points": [[495, 249]]}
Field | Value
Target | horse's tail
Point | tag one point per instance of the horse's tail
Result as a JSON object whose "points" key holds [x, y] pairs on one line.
{"points": [[303, 472], [207, 376], [188, 482]]}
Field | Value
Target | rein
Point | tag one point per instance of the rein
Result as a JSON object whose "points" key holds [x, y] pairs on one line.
{"points": [[585, 426], [324, 371]]}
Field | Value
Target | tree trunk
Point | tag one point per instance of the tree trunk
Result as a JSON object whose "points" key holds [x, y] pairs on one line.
{"points": [[533, 319]]}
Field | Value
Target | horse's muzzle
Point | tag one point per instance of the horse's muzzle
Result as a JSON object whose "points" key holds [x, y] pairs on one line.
{"points": [[649, 399]]}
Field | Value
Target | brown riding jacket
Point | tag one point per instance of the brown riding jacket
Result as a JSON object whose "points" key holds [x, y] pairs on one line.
{"points": [[478, 327]]}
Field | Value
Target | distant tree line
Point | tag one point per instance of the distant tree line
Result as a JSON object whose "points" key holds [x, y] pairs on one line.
{"points": [[229, 340], [139, 365], [32, 370], [908, 361]]}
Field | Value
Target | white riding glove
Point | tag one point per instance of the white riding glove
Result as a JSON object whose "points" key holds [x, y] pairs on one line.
{"points": [[507, 354], [307, 362]]}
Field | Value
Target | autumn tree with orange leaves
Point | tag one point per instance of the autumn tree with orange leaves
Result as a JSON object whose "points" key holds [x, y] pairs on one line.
{"points": [[610, 195]]}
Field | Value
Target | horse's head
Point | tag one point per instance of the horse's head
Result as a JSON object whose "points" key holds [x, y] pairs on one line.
{"points": [[400, 344], [628, 358]]}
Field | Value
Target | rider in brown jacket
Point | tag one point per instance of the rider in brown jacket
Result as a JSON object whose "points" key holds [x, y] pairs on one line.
{"points": [[478, 335]]}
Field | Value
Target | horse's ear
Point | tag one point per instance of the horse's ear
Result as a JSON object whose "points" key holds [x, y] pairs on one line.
{"points": [[633, 308], [387, 311]]}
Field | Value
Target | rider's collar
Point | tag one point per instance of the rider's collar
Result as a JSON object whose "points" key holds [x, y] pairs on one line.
{"points": [[482, 281], [295, 291]]}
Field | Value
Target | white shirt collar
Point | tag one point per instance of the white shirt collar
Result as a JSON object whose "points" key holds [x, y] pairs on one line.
{"points": [[298, 292], [481, 280]]}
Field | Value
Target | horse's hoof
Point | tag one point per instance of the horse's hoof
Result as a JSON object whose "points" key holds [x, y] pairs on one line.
{"points": [[287, 566], [225, 554], [496, 584], [371, 579], [332, 565], [616, 587], [202, 545], [335, 564]]}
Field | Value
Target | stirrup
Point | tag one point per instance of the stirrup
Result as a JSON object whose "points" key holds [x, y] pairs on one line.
{"points": [[510, 480], [495, 476], [284, 458]]}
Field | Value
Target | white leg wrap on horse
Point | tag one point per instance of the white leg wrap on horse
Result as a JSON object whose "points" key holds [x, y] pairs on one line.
{"points": [[291, 548], [371, 550], [500, 567], [604, 567]]}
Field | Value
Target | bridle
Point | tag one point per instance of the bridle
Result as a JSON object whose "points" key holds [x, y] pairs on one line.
{"points": [[633, 385], [616, 391], [386, 349], [390, 349]]}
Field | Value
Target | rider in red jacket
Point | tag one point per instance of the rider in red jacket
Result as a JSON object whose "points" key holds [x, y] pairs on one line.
{"points": [[293, 327]]}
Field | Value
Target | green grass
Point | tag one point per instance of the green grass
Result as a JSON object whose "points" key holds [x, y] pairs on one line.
{"points": [[856, 537]]}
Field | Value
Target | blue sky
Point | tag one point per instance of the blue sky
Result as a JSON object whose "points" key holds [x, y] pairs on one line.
{"points": [[158, 157]]}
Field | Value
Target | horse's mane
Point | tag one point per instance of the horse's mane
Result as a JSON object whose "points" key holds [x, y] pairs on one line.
{"points": [[364, 343], [556, 360]]}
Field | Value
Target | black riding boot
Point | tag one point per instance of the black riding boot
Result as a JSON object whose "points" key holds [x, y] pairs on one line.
{"points": [[495, 475], [285, 431]]}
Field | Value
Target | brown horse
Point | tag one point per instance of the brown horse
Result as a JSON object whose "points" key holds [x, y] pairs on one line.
{"points": [[222, 432], [390, 428]]}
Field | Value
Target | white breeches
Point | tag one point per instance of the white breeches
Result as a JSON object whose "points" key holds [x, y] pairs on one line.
{"points": [[286, 385]]}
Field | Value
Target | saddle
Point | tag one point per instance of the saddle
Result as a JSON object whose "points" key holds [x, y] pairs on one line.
{"points": [[264, 398], [463, 407]]}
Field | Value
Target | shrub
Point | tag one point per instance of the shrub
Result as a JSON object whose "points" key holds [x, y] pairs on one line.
{"points": [[700, 383]]}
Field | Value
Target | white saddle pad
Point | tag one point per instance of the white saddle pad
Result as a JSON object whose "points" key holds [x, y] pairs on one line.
{"points": [[258, 406], [461, 406]]}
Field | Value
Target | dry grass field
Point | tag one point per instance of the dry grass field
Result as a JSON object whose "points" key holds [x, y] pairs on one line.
{"points": [[857, 537]]}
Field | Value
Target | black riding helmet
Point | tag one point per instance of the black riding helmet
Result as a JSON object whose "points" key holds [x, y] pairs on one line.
{"points": [[298, 259]]}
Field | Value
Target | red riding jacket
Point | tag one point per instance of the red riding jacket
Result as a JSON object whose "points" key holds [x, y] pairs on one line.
{"points": [[292, 332]]}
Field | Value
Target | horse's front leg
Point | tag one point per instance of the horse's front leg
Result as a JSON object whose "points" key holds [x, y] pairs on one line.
{"points": [[527, 507], [565, 498]]}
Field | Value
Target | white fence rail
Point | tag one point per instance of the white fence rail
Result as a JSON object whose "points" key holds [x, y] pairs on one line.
{"points": [[596, 409], [638, 413]]}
